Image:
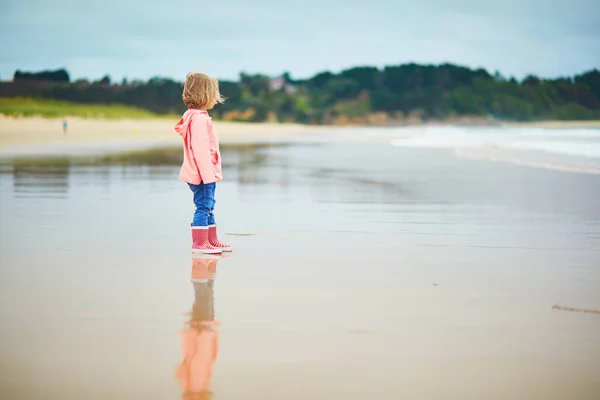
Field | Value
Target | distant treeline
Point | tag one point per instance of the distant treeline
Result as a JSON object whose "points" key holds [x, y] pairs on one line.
{"points": [[362, 95]]}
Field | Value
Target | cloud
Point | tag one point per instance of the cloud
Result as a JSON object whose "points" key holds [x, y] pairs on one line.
{"points": [[224, 37]]}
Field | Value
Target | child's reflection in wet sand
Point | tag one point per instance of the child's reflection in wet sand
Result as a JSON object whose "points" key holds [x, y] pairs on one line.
{"points": [[200, 336]]}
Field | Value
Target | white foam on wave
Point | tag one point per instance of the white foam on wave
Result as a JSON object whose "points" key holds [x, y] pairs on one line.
{"points": [[446, 140], [504, 158], [571, 150], [567, 147], [581, 133]]}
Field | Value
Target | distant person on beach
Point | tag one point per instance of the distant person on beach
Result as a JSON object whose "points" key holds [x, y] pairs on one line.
{"points": [[65, 126], [201, 167]]}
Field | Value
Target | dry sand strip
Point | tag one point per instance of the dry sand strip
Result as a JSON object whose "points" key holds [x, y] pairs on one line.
{"points": [[19, 131], [42, 136], [36, 136], [554, 124]]}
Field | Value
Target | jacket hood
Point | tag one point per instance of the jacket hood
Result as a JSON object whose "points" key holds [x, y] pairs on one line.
{"points": [[186, 119]]}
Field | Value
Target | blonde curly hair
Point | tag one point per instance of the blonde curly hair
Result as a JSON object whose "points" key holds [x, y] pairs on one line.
{"points": [[201, 91]]}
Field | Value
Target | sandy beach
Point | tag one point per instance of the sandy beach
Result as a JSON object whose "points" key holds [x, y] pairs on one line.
{"points": [[38, 136], [20, 134], [368, 263]]}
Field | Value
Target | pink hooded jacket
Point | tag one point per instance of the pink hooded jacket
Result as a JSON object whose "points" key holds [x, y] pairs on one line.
{"points": [[201, 156]]}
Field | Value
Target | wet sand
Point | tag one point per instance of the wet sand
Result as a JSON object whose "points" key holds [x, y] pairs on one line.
{"points": [[360, 271]]}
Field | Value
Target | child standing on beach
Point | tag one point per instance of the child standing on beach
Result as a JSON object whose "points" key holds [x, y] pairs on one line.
{"points": [[201, 167]]}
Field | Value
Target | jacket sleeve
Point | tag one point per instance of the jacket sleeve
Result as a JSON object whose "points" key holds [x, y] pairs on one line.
{"points": [[200, 142]]}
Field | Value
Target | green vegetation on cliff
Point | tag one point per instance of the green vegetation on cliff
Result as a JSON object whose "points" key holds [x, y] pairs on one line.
{"points": [[362, 95]]}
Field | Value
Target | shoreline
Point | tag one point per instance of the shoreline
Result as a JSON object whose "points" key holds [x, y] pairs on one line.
{"points": [[39, 136], [553, 124], [36, 136]]}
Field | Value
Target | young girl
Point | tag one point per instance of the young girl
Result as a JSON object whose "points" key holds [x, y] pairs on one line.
{"points": [[201, 167]]}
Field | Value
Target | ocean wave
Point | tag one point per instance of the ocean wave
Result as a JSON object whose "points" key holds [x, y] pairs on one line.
{"points": [[571, 150], [528, 162], [567, 147], [581, 133]]}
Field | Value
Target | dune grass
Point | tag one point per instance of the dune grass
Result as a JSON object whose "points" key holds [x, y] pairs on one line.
{"points": [[27, 107]]}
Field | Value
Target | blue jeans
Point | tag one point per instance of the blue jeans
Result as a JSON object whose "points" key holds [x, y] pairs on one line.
{"points": [[204, 199]]}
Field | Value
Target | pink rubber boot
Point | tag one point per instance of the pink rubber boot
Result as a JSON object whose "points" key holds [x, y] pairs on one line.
{"points": [[214, 240], [200, 243]]}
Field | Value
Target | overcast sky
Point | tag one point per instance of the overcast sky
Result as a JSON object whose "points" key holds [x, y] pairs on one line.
{"points": [[168, 38]]}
